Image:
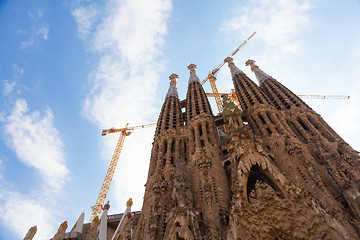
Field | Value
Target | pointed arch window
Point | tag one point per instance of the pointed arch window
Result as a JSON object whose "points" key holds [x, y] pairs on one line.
{"points": [[258, 177]]}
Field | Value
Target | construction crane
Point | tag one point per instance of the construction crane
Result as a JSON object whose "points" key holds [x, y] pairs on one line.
{"points": [[324, 96], [211, 76], [124, 132], [232, 96]]}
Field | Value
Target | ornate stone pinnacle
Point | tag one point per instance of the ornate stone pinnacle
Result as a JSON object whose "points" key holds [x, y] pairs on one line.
{"points": [[192, 67], [251, 63], [172, 89], [260, 75], [193, 77], [173, 77], [234, 70], [229, 60]]}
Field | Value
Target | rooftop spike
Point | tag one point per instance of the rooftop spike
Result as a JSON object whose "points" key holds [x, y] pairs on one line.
{"points": [[260, 75], [193, 76], [172, 89], [234, 69]]}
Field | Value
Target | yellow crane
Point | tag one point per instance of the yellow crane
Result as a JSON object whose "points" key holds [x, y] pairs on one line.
{"points": [[211, 76], [324, 96], [124, 132], [232, 96]]}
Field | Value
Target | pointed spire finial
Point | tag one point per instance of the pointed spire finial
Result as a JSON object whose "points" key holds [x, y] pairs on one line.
{"points": [[173, 77], [193, 77], [260, 75], [192, 67], [172, 89], [234, 69]]}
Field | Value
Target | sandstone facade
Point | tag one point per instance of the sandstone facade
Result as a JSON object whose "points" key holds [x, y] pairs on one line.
{"points": [[274, 170]]}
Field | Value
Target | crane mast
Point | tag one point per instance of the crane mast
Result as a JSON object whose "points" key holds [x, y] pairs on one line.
{"points": [[124, 132]]}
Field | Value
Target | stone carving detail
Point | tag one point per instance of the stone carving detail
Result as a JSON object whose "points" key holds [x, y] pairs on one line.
{"points": [[291, 146], [208, 193], [160, 186], [182, 194]]}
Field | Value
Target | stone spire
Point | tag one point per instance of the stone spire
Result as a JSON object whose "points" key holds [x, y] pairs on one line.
{"points": [[172, 89], [260, 75], [170, 115], [234, 69], [197, 102], [193, 77], [247, 91]]}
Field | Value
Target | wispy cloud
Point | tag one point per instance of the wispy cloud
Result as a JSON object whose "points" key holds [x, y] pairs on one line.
{"points": [[43, 31], [36, 143], [279, 25], [129, 36], [37, 30], [36, 14], [18, 71], [20, 212], [8, 87], [27, 43], [1, 169], [277, 22], [85, 17]]}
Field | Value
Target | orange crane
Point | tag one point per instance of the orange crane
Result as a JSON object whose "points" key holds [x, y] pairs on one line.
{"points": [[212, 79], [124, 132], [232, 95]]}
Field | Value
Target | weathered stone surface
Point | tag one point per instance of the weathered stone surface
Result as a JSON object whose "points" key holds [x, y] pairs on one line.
{"points": [[31, 233], [60, 232], [274, 170]]}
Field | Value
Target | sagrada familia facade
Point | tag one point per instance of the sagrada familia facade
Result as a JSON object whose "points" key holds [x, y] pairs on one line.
{"points": [[272, 170]]}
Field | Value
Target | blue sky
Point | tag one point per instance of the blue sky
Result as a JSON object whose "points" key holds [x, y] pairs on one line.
{"points": [[68, 69]]}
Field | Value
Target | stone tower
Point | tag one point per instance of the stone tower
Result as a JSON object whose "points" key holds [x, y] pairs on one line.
{"points": [[272, 170]]}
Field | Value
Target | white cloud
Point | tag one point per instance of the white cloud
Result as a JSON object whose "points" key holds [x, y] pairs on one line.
{"points": [[85, 17], [36, 143], [1, 169], [20, 212], [27, 43], [277, 22], [43, 31], [36, 14], [37, 29], [18, 71], [8, 87], [129, 36]]}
